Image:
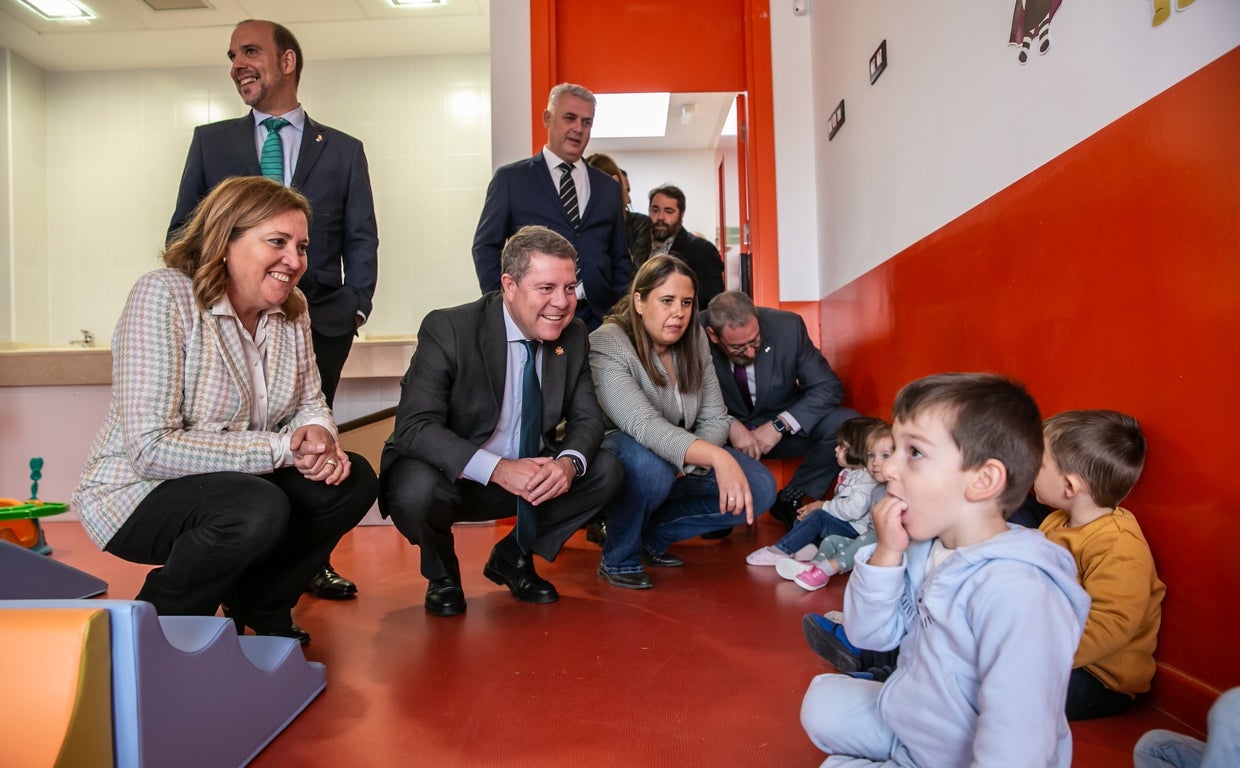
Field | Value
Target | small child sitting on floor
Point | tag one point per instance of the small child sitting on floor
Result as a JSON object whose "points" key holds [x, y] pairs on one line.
{"points": [[986, 617], [835, 554], [847, 514], [1090, 463]]}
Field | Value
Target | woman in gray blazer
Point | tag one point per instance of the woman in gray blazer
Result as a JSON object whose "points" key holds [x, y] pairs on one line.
{"points": [[654, 379], [218, 459]]}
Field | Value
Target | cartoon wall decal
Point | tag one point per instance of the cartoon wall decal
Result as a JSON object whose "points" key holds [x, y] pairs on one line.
{"points": [[1162, 9], [1031, 20]]}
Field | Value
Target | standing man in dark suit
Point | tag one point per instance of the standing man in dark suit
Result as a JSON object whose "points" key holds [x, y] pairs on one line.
{"points": [[560, 191], [790, 405], [471, 441], [667, 215], [325, 165]]}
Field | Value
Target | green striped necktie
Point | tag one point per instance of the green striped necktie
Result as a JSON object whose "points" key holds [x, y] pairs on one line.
{"points": [[271, 161]]}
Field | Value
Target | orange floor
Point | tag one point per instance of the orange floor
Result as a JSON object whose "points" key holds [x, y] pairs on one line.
{"points": [[708, 668]]}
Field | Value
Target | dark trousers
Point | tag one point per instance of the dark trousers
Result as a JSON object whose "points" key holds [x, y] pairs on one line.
{"points": [[423, 504], [1088, 698], [818, 469], [249, 541], [330, 352]]}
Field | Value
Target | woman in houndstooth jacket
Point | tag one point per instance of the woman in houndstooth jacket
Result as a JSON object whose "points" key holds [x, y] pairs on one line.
{"points": [[218, 459]]}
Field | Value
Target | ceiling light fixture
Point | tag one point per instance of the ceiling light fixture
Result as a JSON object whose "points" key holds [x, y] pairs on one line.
{"points": [[59, 10], [413, 3]]}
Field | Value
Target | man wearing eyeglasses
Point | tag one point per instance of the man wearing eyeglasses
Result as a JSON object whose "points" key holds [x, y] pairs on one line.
{"points": [[781, 392]]}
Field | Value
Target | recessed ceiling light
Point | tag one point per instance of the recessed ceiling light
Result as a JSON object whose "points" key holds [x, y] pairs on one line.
{"points": [[627, 115], [176, 5], [411, 3], [59, 10]]}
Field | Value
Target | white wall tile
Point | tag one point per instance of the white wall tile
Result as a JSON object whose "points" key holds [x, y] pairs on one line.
{"points": [[117, 141]]}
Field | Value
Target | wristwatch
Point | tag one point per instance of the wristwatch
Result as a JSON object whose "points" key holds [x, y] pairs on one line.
{"points": [[780, 425], [579, 466]]}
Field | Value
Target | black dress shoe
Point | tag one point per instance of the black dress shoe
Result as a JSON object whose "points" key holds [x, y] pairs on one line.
{"points": [[665, 560], [597, 533], [722, 533], [329, 585], [444, 597], [786, 505], [268, 629], [625, 580], [520, 578], [292, 630]]}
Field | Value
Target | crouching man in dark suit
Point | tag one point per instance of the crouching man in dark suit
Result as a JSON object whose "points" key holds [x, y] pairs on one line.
{"points": [[781, 391], [497, 417]]}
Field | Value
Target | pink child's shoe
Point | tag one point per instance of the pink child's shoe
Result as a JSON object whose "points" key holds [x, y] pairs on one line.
{"points": [[812, 579]]}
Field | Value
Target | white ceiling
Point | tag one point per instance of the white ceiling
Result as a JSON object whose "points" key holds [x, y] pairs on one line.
{"points": [[128, 34]]}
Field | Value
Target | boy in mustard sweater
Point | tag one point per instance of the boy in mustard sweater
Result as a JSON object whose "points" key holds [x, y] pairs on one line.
{"points": [[1091, 461]]}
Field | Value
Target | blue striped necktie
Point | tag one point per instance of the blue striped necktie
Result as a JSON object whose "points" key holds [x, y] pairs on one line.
{"points": [[568, 195], [271, 161]]}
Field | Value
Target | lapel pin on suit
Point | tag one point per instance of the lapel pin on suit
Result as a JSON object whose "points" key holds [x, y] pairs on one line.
{"points": [[766, 349], [559, 350], [318, 137]]}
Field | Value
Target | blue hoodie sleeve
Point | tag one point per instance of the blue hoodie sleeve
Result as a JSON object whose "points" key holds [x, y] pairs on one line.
{"points": [[875, 614], [1024, 657]]}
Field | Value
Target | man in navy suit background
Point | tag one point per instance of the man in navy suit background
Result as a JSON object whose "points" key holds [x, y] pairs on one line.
{"points": [[529, 192], [668, 233], [325, 165]]}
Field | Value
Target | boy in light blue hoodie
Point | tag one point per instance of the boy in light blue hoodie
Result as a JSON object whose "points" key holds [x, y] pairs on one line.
{"points": [[987, 617]]}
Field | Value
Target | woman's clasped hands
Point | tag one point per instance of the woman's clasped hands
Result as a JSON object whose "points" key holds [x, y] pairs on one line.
{"points": [[318, 456]]}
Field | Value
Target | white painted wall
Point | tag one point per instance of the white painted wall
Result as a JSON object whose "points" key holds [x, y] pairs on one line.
{"points": [[8, 312], [796, 154], [54, 423], [23, 227], [955, 118], [692, 171], [511, 132]]}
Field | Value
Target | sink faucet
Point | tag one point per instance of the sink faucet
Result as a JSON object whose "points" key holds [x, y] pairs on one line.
{"points": [[87, 340]]}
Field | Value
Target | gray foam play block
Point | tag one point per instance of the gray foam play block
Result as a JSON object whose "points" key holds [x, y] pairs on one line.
{"points": [[26, 575], [187, 691]]}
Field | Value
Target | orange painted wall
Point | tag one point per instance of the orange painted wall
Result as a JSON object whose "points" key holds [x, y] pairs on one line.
{"points": [[618, 46], [1108, 278]]}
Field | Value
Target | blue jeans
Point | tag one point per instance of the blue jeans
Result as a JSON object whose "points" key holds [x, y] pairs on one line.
{"points": [[1167, 749], [656, 507], [817, 525]]}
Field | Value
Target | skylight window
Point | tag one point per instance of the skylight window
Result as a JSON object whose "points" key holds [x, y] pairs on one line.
{"points": [[629, 115]]}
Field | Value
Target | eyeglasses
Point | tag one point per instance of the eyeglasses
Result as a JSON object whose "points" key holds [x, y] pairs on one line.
{"points": [[736, 349]]}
